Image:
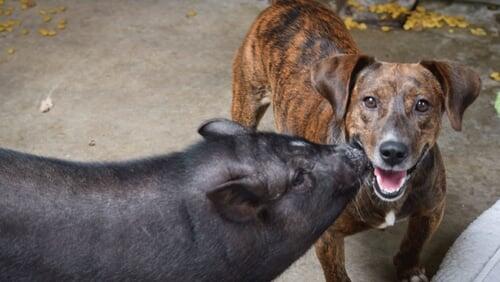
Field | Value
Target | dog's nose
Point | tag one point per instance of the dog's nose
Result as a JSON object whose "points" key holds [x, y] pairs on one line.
{"points": [[393, 153]]}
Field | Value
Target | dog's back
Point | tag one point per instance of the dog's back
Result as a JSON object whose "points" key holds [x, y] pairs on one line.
{"points": [[276, 57]]}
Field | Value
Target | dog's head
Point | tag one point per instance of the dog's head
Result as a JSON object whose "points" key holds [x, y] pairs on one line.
{"points": [[394, 110]]}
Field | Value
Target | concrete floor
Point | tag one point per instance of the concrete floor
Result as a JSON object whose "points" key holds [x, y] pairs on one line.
{"points": [[138, 77]]}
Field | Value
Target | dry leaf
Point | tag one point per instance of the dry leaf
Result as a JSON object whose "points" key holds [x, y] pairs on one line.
{"points": [[191, 14], [478, 31], [46, 105], [495, 76]]}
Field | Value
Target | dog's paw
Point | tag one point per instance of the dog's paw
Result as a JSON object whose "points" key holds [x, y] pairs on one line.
{"points": [[416, 274]]}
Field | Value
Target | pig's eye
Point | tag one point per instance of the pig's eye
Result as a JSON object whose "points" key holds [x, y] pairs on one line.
{"points": [[299, 177]]}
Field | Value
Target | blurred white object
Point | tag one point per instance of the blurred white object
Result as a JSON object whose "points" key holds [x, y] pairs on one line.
{"points": [[475, 255], [46, 105]]}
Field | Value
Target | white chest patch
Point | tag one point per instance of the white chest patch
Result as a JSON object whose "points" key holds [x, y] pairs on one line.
{"points": [[390, 219]]}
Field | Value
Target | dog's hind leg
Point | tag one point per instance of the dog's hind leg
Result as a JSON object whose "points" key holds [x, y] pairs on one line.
{"points": [[251, 97]]}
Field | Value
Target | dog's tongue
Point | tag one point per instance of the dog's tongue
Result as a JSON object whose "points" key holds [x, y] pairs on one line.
{"points": [[390, 181]]}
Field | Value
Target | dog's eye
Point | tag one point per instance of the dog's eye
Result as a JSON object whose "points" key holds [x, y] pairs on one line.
{"points": [[299, 177], [370, 102], [422, 106]]}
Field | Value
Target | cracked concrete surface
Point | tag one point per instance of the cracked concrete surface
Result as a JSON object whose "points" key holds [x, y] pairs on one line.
{"points": [[138, 77]]}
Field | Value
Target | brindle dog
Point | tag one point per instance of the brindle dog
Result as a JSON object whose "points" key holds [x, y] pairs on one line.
{"points": [[297, 49]]}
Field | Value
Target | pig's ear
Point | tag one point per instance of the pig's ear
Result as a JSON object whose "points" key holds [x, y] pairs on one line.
{"points": [[460, 85], [238, 200], [334, 78], [221, 127]]}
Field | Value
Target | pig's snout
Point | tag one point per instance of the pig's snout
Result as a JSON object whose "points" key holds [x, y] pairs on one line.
{"points": [[356, 158]]}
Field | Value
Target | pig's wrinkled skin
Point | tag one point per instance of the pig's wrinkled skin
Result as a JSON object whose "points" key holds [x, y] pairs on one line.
{"points": [[237, 206]]}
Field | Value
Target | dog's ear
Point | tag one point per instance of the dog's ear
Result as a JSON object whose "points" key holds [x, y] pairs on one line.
{"points": [[239, 200], [460, 84], [334, 78], [221, 127]]}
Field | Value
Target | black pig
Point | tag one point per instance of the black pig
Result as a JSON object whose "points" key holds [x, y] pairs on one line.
{"points": [[238, 206]]}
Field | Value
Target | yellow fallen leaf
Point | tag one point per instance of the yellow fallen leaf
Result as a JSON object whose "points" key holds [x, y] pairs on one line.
{"points": [[420, 9], [392, 9], [421, 18], [25, 31], [495, 76], [352, 24], [385, 28], [43, 31], [478, 31], [356, 5], [47, 32], [191, 14], [11, 51], [46, 18], [29, 3]]}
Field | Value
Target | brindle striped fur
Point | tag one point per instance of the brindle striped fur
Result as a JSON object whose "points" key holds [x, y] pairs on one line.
{"points": [[298, 49]]}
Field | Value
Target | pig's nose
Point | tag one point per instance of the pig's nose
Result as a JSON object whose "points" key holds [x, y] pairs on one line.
{"points": [[354, 157], [393, 153]]}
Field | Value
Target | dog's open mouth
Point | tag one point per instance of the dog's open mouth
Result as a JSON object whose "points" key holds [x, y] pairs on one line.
{"points": [[389, 185]]}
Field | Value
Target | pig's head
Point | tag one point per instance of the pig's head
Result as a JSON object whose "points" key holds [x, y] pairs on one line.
{"points": [[281, 183]]}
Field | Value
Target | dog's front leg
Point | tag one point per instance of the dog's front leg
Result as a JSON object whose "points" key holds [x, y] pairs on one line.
{"points": [[420, 229], [330, 252]]}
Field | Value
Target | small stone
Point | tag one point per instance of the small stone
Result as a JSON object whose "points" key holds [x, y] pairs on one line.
{"points": [[92, 143]]}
